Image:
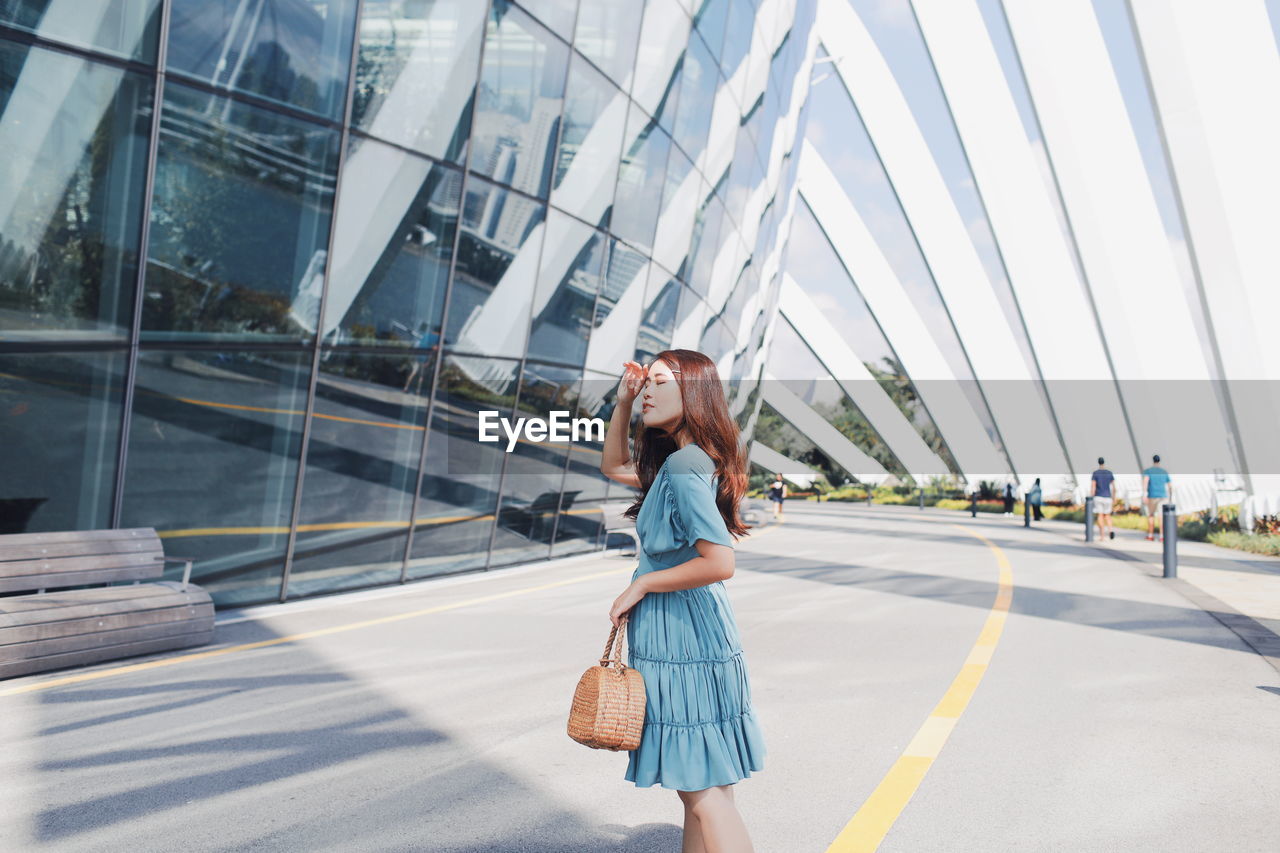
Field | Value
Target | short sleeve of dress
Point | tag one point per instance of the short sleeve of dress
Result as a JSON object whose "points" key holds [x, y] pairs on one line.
{"points": [[693, 491]]}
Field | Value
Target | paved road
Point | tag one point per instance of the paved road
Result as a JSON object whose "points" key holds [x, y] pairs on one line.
{"points": [[1113, 714]]}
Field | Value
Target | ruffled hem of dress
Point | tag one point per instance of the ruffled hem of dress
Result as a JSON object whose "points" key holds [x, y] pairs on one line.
{"points": [[704, 755]]}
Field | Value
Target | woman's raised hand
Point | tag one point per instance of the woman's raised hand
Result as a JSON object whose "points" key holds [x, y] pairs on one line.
{"points": [[632, 382]]}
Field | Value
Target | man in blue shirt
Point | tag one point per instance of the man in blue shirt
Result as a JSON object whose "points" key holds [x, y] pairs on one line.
{"points": [[1157, 489], [1100, 488]]}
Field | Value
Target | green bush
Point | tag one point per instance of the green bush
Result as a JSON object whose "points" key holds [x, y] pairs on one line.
{"points": [[1256, 543]]}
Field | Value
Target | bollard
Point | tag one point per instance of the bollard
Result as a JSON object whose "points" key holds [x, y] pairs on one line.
{"points": [[973, 504], [1088, 518], [922, 497], [1169, 527], [1026, 512]]}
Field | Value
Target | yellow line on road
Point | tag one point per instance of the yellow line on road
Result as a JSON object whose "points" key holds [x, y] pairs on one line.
{"points": [[295, 638], [868, 827]]}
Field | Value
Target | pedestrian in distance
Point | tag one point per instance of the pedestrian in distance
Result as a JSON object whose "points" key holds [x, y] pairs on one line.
{"points": [[1100, 486], [1009, 498], [1157, 490], [700, 734], [777, 494], [1033, 498]]}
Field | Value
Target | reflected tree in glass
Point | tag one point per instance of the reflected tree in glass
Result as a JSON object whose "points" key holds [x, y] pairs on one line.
{"points": [[73, 137], [415, 73], [240, 221]]}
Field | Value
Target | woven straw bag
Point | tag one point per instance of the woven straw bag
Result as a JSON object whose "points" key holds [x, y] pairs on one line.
{"points": [[608, 704]]}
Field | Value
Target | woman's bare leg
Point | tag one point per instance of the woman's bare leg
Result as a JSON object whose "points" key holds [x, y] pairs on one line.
{"points": [[722, 829], [692, 839]]}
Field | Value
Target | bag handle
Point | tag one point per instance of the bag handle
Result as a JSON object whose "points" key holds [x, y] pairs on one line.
{"points": [[609, 654]]}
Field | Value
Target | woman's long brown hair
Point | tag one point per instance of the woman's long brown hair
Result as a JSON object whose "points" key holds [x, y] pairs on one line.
{"points": [[708, 424]]}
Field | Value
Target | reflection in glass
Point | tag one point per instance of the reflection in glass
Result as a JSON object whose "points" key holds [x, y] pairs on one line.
{"points": [[295, 53], [662, 43], [495, 272], [556, 14], [460, 480], [74, 141], [362, 469], [518, 109], [397, 215], [533, 483], [215, 436], [239, 221], [826, 396], [64, 483], [698, 81], [658, 320], [415, 72], [618, 309], [579, 526], [737, 39], [706, 242], [125, 28], [640, 181], [606, 34], [595, 114], [709, 17], [565, 300]]}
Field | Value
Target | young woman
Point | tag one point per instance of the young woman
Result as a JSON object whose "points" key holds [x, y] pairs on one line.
{"points": [[700, 734], [777, 494]]}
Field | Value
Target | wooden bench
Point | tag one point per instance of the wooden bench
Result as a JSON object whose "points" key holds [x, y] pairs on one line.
{"points": [[50, 630]]}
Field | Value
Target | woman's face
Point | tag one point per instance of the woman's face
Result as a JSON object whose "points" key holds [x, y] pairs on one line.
{"points": [[661, 406]]}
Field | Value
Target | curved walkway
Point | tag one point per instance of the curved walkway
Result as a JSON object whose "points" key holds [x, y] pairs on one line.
{"points": [[1110, 713]]}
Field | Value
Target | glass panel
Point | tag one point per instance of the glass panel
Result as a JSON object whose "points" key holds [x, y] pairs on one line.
{"points": [[125, 28], [214, 440], [397, 217], [709, 17], [291, 52], [795, 365], [737, 39], [556, 14], [691, 316], [579, 524], [707, 237], [817, 268], [67, 483], [679, 210], [662, 43], [415, 74], [521, 93], [460, 480], [239, 221], [362, 469], [533, 484], [74, 136], [606, 35], [698, 80], [565, 299], [496, 271], [595, 114], [640, 181], [618, 309], [659, 318]]}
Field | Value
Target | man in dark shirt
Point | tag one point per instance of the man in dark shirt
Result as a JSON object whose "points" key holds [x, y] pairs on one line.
{"points": [[1100, 488]]}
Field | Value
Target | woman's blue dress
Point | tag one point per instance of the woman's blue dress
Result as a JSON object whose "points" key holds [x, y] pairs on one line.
{"points": [[699, 728]]}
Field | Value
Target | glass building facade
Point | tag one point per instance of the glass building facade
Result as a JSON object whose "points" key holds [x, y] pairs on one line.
{"points": [[263, 261]]}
